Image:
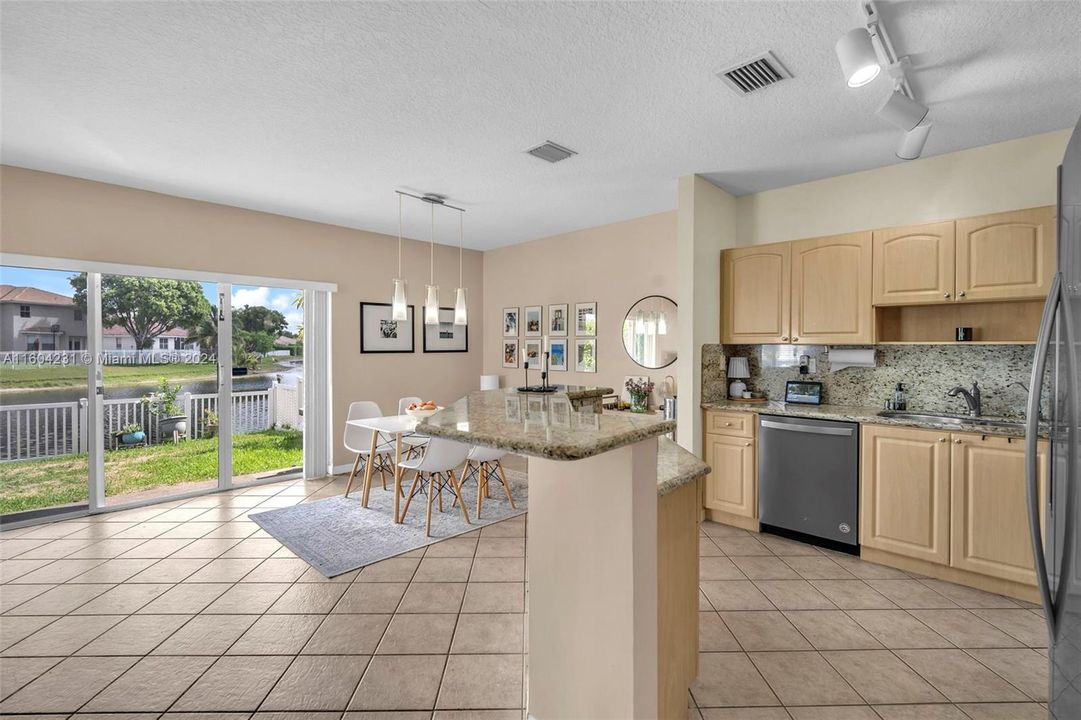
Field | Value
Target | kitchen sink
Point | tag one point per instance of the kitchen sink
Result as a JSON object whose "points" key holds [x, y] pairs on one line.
{"points": [[957, 420]]}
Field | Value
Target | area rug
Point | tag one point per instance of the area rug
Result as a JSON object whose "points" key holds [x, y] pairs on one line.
{"points": [[336, 534]]}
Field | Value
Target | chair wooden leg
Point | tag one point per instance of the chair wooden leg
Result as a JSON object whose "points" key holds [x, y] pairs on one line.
{"points": [[506, 485], [458, 489], [352, 474], [382, 473], [482, 481], [428, 517], [442, 480], [409, 497]]}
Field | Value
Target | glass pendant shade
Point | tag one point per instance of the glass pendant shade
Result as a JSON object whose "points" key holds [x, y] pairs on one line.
{"points": [[662, 324], [640, 323], [459, 307], [431, 306], [398, 309]]}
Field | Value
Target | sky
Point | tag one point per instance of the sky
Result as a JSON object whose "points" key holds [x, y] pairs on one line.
{"points": [[280, 299]]}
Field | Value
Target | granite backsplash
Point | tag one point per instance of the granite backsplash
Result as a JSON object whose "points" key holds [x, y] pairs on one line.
{"points": [[927, 372]]}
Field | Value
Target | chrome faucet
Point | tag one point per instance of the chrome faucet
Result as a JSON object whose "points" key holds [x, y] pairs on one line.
{"points": [[972, 398]]}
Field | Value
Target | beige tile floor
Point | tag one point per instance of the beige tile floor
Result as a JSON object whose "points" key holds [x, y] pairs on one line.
{"points": [[186, 609]]}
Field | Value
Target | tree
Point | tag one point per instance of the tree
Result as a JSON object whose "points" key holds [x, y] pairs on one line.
{"points": [[206, 332], [146, 307], [259, 319]]}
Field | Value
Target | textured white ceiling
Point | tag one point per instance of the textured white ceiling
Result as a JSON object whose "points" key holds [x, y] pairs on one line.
{"points": [[320, 110]]}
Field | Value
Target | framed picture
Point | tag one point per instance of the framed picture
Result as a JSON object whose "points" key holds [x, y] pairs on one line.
{"points": [[512, 408], [446, 336], [585, 319], [510, 322], [510, 352], [557, 320], [531, 353], [557, 355], [380, 334], [533, 321], [585, 355]]}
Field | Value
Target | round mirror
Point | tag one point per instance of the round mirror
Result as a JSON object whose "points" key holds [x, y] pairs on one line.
{"points": [[650, 331]]}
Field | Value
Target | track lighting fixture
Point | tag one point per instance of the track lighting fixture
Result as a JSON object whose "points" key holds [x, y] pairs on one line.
{"points": [[912, 142], [857, 56], [902, 111]]}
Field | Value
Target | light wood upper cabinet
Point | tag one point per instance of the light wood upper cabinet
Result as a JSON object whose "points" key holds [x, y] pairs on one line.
{"points": [[905, 491], [730, 485], [990, 529], [913, 264], [831, 289], [756, 294], [1006, 256]]}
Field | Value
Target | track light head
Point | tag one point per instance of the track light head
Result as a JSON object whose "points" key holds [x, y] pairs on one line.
{"points": [[856, 53], [902, 111], [912, 142]]}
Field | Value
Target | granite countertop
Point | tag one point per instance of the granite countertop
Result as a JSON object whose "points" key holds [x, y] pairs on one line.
{"points": [[676, 467], [863, 414], [581, 392], [545, 426]]}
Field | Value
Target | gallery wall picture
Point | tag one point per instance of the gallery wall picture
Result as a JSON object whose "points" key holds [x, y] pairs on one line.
{"points": [[585, 355], [533, 321], [379, 333], [531, 353], [557, 359], [446, 336], [557, 320], [510, 322], [510, 352], [585, 319]]}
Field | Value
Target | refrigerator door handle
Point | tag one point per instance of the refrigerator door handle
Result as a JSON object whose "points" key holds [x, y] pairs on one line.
{"points": [[1032, 427], [1066, 505]]}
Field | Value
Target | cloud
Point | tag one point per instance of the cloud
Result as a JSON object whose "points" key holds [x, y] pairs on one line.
{"points": [[295, 319], [250, 296]]}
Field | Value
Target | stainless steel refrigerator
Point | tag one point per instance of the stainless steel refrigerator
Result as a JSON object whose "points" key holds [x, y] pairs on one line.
{"points": [[1056, 387]]}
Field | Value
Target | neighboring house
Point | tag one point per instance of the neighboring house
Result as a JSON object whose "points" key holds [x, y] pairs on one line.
{"points": [[32, 319]]}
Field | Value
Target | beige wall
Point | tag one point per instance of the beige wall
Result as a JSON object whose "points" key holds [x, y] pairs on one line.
{"points": [[992, 178], [614, 265], [57, 216]]}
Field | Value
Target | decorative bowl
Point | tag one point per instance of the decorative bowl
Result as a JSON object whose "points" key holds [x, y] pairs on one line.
{"points": [[420, 413]]}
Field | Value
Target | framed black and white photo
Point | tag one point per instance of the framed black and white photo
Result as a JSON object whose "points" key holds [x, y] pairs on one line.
{"points": [[557, 357], [533, 321], [585, 319], [510, 322], [446, 336], [381, 334], [585, 355], [557, 320], [510, 352]]}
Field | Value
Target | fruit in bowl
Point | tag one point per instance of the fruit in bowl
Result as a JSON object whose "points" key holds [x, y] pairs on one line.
{"points": [[422, 409]]}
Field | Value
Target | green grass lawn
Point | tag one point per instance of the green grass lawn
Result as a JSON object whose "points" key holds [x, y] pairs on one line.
{"points": [[30, 377], [32, 484]]}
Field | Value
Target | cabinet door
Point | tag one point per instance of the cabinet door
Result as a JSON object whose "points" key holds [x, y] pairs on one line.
{"points": [[1006, 256], [913, 264], [756, 294], [831, 289], [730, 485], [905, 491], [989, 530]]}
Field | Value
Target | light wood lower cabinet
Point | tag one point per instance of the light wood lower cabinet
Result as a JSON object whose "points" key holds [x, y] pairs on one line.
{"points": [[905, 491], [730, 485], [989, 529], [951, 499]]}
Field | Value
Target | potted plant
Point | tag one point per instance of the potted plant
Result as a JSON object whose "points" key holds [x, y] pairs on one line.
{"points": [[132, 434], [163, 405], [639, 390], [210, 424]]}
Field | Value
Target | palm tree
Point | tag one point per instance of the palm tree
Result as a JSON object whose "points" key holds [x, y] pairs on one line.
{"points": [[298, 302], [206, 332]]}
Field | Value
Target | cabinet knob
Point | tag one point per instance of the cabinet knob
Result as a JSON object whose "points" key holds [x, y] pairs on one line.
{"points": [[961, 294], [794, 339], [746, 444], [956, 442], [785, 338], [942, 439], [728, 424], [946, 295]]}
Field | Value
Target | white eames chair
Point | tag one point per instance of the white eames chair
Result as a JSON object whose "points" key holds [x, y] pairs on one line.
{"points": [[436, 467], [482, 464], [359, 440]]}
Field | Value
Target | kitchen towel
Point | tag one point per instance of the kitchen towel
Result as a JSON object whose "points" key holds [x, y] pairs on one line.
{"points": [[841, 358]]}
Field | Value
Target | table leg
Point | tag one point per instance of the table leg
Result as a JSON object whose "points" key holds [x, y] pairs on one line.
{"points": [[368, 469], [397, 475]]}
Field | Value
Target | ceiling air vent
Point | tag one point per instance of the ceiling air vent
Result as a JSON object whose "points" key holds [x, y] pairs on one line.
{"points": [[551, 152], [754, 74]]}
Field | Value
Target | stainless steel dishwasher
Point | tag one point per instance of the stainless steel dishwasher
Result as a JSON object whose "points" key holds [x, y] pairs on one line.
{"points": [[808, 479]]}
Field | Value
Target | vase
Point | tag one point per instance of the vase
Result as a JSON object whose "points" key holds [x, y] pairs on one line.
{"points": [[639, 403]]}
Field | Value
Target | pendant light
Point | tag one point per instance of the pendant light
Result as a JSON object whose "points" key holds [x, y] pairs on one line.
{"points": [[460, 317], [431, 303], [398, 309]]}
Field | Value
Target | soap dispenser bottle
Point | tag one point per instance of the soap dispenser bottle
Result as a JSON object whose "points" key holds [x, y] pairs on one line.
{"points": [[899, 397]]}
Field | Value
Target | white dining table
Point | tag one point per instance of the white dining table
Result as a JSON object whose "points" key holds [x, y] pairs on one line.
{"points": [[396, 425]]}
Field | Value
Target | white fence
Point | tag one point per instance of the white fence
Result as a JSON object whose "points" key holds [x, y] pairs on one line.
{"points": [[108, 357], [40, 430]]}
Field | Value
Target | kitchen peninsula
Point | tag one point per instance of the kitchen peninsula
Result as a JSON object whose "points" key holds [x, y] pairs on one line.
{"points": [[613, 558]]}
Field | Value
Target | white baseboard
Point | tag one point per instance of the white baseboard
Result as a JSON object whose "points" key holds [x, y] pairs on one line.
{"points": [[341, 469]]}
